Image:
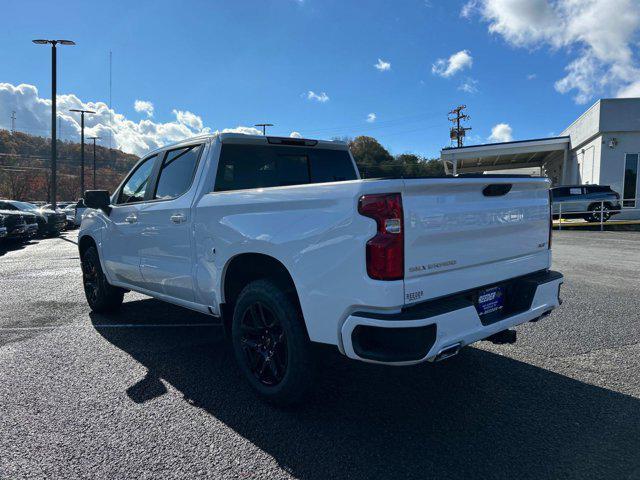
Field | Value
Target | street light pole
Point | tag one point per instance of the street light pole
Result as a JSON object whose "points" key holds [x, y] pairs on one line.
{"points": [[82, 112], [54, 140], [94, 160], [54, 134]]}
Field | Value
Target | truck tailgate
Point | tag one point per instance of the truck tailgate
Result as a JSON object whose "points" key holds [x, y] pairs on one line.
{"points": [[454, 231]]}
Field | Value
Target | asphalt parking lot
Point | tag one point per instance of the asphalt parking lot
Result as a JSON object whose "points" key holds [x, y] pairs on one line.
{"points": [[153, 391]]}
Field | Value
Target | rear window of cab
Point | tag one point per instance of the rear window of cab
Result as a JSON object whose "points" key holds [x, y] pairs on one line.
{"points": [[261, 166]]}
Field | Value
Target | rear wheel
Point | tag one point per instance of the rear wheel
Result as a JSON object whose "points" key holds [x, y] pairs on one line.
{"points": [[101, 296], [271, 345], [598, 211]]}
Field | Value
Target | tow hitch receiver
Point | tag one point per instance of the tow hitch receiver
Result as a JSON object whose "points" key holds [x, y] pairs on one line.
{"points": [[503, 337]]}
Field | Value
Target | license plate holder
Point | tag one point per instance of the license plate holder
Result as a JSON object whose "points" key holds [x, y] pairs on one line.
{"points": [[490, 300]]}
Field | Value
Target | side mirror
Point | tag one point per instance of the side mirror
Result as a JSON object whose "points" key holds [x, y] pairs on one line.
{"points": [[98, 199]]}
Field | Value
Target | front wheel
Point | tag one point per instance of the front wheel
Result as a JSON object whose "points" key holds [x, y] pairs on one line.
{"points": [[101, 296], [270, 344]]}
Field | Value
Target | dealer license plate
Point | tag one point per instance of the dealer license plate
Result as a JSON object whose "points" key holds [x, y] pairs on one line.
{"points": [[490, 300]]}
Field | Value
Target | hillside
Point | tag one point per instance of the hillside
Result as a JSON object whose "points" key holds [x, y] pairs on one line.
{"points": [[25, 167]]}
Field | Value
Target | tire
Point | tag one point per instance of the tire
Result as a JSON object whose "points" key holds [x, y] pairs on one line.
{"points": [[270, 344], [594, 216], [101, 296]]}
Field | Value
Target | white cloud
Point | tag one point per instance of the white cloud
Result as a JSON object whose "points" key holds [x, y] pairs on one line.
{"points": [[468, 8], [600, 34], [144, 106], [501, 132], [189, 119], [295, 135], [318, 97], [371, 117], [455, 63], [241, 129], [532, 76], [470, 85], [382, 65], [33, 115], [631, 90]]}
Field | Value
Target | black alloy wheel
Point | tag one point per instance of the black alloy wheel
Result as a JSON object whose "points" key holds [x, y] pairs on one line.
{"points": [[101, 296], [271, 344], [264, 343]]}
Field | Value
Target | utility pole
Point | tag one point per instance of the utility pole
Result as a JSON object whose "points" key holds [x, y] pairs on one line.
{"points": [[264, 127], [13, 122], [457, 132], [94, 160], [81, 112]]}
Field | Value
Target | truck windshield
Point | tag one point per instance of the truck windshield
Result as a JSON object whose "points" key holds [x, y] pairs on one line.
{"points": [[261, 166]]}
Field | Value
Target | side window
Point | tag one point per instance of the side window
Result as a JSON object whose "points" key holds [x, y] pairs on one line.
{"points": [[560, 192], [630, 180], [176, 173], [575, 191], [136, 186]]}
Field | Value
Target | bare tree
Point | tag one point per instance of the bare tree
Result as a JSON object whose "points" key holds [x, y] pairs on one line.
{"points": [[14, 183]]}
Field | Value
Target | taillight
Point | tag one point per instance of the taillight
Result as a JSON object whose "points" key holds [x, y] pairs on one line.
{"points": [[550, 220], [385, 251]]}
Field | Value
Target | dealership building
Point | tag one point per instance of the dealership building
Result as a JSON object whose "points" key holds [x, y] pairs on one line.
{"points": [[601, 147]]}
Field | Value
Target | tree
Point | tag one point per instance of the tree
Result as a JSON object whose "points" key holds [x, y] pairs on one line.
{"points": [[32, 155], [15, 183], [367, 151]]}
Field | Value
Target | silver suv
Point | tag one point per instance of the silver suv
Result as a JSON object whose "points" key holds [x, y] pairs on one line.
{"points": [[591, 202]]}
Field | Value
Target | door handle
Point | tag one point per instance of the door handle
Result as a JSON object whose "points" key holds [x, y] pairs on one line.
{"points": [[177, 218], [131, 218]]}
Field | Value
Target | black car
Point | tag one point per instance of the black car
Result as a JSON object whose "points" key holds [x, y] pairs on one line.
{"points": [[13, 225], [49, 222]]}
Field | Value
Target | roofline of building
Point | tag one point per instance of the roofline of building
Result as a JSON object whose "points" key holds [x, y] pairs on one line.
{"points": [[487, 146], [568, 127]]}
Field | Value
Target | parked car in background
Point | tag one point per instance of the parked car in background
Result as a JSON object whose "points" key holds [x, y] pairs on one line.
{"points": [[284, 243], [60, 205], [70, 212], [591, 202], [81, 209], [48, 221], [32, 225], [13, 225]]}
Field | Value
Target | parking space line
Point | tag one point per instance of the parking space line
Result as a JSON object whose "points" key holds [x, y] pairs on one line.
{"points": [[155, 325], [117, 325]]}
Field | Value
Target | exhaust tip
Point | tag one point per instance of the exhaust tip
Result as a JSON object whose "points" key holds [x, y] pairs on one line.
{"points": [[448, 352]]}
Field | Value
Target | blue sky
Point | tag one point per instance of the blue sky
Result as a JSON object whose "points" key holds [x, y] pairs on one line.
{"points": [[237, 63]]}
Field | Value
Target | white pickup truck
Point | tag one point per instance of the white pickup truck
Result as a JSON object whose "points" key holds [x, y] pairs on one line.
{"points": [[281, 240]]}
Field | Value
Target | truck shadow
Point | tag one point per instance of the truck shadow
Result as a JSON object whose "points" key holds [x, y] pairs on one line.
{"points": [[479, 415]]}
